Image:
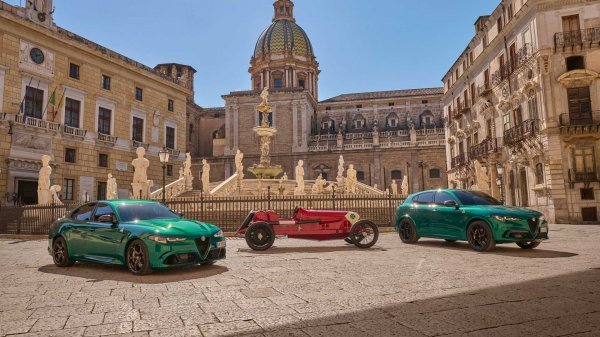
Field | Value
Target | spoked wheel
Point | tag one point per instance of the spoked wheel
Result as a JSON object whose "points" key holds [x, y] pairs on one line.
{"points": [[260, 236], [408, 232], [364, 234], [480, 237], [138, 260], [528, 244], [60, 253]]}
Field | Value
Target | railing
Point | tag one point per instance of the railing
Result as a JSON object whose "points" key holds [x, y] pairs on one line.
{"points": [[582, 177], [108, 139], [35, 219], [37, 123], [383, 144], [484, 90], [173, 152], [580, 119], [459, 160], [521, 132], [483, 149], [174, 189], [135, 144], [71, 131], [589, 36]]}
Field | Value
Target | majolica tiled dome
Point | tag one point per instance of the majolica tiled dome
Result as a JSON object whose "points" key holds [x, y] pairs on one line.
{"points": [[283, 36]]}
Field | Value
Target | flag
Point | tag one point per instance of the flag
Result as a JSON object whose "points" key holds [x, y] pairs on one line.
{"points": [[51, 105], [60, 104]]}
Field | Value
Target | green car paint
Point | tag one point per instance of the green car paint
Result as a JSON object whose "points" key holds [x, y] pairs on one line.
{"points": [[107, 242], [447, 221]]}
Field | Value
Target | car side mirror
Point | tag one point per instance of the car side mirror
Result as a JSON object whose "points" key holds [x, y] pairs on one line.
{"points": [[108, 218], [451, 203]]}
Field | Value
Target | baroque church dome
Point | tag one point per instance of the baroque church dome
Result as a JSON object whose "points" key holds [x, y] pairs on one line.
{"points": [[282, 36]]}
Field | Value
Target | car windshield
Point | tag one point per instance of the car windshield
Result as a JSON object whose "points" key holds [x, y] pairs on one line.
{"points": [[145, 211], [474, 198]]}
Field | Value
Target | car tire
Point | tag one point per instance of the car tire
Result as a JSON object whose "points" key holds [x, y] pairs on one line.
{"points": [[260, 236], [528, 244], [137, 258], [450, 241], [358, 237], [60, 253], [408, 232], [480, 237], [349, 240], [207, 263]]}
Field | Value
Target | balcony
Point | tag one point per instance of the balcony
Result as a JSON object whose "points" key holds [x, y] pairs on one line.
{"points": [[74, 132], [107, 139], [37, 123], [174, 153], [522, 132], [583, 38], [484, 90], [582, 177], [484, 149], [459, 161], [135, 144], [524, 54], [580, 123]]}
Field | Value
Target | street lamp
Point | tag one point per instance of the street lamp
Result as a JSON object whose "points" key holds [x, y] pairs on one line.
{"points": [[500, 170], [163, 155]]}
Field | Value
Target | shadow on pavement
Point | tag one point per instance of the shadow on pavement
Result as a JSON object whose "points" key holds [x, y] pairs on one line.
{"points": [[310, 250], [511, 250], [102, 272], [558, 306]]}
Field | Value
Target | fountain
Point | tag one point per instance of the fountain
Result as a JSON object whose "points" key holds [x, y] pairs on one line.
{"points": [[265, 132]]}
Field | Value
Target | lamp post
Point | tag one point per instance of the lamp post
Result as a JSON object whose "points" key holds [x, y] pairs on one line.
{"points": [[163, 155], [500, 170]]}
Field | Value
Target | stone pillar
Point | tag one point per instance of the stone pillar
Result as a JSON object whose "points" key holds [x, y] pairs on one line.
{"points": [[495, 189]]}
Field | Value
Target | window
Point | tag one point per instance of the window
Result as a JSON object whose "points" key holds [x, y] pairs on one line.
{"points": [[102, 160], [105, 82], [70, 155], [510, 11], [570, 24], [584, 160], [391, 104], [397, 175], [435, 174], [539, 173], [587, 194], [74, 71], [72, 111], [327, 108], [442, 197], [104, 120], [532, 106], [83, 213], [359, 106], [169, 170], [171, 105], [139, 94], [100, 195], [499, 23], [392, 122], [359, 124], [360, 176], [589, 214], [506, 121], [68, 185], [575, 62], [138, 129], [580, 105], [33, 104], [426, 198], [424, 102], [301, 84], [170, 137], [102, 209], [489, 128]]}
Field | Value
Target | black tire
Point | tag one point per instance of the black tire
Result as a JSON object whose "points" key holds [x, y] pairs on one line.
{"points": [[408, 232], [364, 234], [60, 253], [260, 236], [349, 240], [207, 263], [528, 244], [450, 241], [480, 237], [137, 258]]}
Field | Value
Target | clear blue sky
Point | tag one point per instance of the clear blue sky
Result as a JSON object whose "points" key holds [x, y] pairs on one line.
{"points": [[361, 45]]}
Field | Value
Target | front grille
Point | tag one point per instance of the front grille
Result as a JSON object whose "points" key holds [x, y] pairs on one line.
{"points": [[216, 254], [203, 246], [533, 225], [181, 259]]}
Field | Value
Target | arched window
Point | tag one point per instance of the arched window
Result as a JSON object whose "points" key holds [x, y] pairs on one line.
{"points": [[392, 120], [327, 125], [435, 173], [302, 80], [359, 122], [539, 173], [397, 175], [426, 120]]}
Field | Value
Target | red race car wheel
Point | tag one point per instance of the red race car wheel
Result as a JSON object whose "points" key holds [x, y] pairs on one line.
{"points": [[260, 236]]}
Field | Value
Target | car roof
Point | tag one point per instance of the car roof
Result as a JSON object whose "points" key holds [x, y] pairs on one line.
{"points": [[127, 202]]}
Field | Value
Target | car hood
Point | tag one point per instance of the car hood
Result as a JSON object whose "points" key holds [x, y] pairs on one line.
{"points": [[511, 211], [176, 227]]}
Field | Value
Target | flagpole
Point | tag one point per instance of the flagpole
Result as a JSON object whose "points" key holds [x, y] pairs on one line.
{"points": [[48, 103], [60, 103], [21, 107]]}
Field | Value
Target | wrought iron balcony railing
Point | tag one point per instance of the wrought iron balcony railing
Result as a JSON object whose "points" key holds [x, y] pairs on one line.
{"points": [[521, 132], [484, 90], [580, 119], [585, 177], [515, 63], [460, 160], [589, 37], [484, 149]]}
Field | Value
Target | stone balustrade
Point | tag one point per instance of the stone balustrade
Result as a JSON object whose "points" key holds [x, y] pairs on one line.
{"points": [[173, 190], [382, 145]]}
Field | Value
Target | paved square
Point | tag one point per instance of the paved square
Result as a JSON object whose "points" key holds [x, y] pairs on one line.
{"points": [[304, 288]]}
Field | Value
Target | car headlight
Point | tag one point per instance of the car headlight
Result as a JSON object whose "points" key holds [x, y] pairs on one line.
{"points": [[165, 240], [542, 219], [505, 218], [218, 234]]}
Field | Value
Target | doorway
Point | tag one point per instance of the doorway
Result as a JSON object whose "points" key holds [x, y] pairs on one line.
{"points": [[523, 186], [27, 192]]}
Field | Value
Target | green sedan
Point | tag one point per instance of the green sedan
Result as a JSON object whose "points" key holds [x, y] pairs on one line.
{"points": [[142, 235], [470, 216]]}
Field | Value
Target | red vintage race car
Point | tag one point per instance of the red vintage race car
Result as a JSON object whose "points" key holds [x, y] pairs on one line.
{"points": [[261, 227]]}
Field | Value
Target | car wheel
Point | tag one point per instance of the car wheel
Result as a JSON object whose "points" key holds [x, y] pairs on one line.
{"points": [[528, 244], [207, 263], [60, 253], [450, 241], [480, 237], [364, 234], [348, 240], [138, 260], [260, 236], [408, 232]]}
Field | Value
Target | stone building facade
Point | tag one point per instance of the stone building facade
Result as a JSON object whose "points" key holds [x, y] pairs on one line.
{"points": [[523, 110], [386, 135], [106, 105]]}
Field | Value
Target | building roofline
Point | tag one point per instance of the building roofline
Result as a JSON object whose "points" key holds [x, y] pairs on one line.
{"points": [[403, 93]]}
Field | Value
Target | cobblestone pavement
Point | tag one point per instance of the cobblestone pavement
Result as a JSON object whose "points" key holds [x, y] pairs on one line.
{"points": [[304, 288]]}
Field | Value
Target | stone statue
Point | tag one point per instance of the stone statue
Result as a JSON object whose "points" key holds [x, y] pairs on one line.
{"points": [[341, 166], [181, 172], [265, 97], [205, 177], [300, 178], [318, 186], [156, 119], [285, 177], [265, 159], [375, 135], [340, 138], [405, 186], [394, 187], [187, 171], [111, 188], [140, 185], [54, 192], [44, 181], [351, 180], [239, 166]]}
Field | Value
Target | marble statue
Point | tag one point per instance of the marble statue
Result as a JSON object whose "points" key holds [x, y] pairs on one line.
{"points": [[239, 166], [375, 135], [265, 159], [300, 178], [319, 184], [351, 180], [285, 177], [44, 181], [205, 177], [340, 138], [140, 185], [265, 97], [405, 186], [341, 162], [54, 192], [394, 187], [112, 192], [187, 172]]}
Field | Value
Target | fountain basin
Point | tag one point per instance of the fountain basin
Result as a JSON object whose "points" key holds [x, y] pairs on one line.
{"points": [[262, 172]]}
